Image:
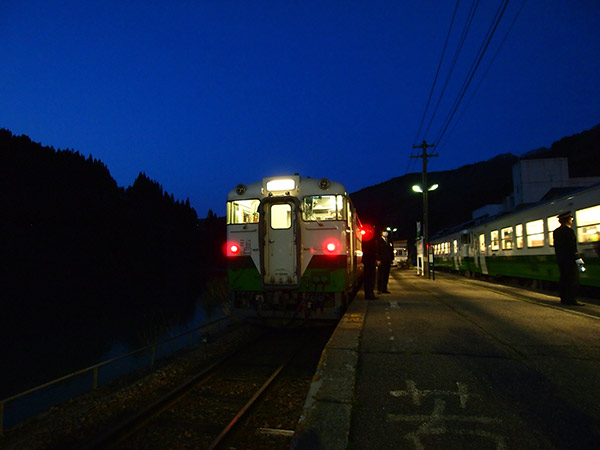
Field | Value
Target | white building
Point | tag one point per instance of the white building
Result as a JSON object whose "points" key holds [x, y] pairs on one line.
{"points": [[532, 180]]}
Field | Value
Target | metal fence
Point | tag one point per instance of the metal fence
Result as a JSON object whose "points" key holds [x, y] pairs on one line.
{"points": [[19, 407]]}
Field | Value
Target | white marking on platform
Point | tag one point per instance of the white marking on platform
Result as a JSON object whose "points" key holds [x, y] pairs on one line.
{"points": [[416, 394], [438, 422], [394, 305]]}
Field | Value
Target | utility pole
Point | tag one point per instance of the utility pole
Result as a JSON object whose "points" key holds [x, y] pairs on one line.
{"points": [[425, 187]]}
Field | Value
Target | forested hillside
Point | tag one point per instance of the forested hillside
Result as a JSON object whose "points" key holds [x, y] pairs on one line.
{"points": [[82, 255]]}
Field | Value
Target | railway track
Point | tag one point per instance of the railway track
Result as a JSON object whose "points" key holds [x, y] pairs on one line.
{"points": [[251, 398]]}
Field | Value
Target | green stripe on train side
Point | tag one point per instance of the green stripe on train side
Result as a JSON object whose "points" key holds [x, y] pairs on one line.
{"points": [[324, 274], [242, 275], [323, 280], [535, 267]]}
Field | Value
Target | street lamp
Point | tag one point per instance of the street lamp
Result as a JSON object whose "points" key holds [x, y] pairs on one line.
{"points": [[418, 188]]}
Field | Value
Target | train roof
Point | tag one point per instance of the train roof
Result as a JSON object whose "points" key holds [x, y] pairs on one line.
{"points": [[552, 196], [291, 185]]}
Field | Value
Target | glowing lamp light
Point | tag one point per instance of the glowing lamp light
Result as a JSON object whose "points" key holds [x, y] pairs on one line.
{"points": [[367, 232], [331, 246], [417, 188], [282, 184], [231, 249]]}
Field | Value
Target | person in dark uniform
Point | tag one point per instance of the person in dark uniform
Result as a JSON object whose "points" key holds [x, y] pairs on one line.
{"points": [[386, 256], [369, 247], [567, 258]]}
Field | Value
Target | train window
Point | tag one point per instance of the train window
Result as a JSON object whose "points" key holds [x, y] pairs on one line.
{"points": [[323, 207], [242, 211], [535, 233], [495, 240], [281, 216], [506, 236], [552, 224], [482, 243], [588, 224], [455, 246], [519, 235]]}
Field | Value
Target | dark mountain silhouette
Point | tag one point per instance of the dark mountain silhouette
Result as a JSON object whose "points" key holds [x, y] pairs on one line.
{"points": [[582, 150], [83, 257], [461, 191]]}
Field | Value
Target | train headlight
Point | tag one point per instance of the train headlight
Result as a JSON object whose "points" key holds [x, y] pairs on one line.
{"points": [[281, 184]]}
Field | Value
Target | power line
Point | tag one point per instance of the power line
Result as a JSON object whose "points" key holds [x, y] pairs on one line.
{"points": [[474, 67], [441, 144], [437, 73], [461, 42]]}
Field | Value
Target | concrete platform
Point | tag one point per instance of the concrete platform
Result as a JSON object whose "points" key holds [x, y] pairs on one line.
{"points": [[404, 370]]}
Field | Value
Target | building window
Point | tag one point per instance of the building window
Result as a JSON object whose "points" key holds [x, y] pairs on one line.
{"points": [[588, 224], [507, 238], [535, 233], [519, 235]]}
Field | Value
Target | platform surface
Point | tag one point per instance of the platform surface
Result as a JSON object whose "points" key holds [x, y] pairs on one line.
{"points": [[456, 363]]}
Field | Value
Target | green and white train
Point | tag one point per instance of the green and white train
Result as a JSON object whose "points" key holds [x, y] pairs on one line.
{"points": [[520, 244], [294, 247]]}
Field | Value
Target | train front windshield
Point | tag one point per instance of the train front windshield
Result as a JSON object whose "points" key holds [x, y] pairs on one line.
{"points": [[323, 207], [242, 211]]}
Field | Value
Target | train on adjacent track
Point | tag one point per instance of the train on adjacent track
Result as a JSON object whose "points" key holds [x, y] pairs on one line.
{"points": [[520, 245], [294, 247]]}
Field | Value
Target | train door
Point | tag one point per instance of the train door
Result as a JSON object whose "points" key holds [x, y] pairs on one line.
{"points": [[280, 255], [482, 254], [456, 255]]}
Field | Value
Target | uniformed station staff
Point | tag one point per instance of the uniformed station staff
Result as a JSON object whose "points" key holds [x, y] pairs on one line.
{"points": [[385, 255], [568, 259]]}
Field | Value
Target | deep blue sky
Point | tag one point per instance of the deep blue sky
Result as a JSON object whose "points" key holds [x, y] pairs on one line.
{"points": [[204, 94]]}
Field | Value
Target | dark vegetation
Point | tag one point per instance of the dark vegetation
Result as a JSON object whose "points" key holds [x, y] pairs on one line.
{"points": [[84, 261], [466, 189]]}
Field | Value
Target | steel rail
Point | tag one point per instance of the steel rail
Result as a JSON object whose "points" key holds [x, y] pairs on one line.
{"points": [[129, 426], [219, 439]]}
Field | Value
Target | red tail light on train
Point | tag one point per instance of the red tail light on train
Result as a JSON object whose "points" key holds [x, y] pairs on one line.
{"points": [[332, 247], [231, 249]]}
